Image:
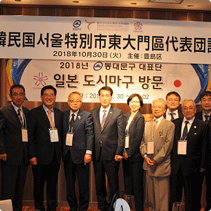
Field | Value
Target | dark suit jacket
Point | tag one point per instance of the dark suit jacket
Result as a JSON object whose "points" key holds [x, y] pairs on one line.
{"points": [[11, 135], [208, 159], [179, 112], [83, 138], [112, 135], [136, 131], [199, 116], [39, 137], [196, 148]]}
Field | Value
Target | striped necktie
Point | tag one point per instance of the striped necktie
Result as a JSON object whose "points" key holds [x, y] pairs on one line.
{"points": [[103, 119]]}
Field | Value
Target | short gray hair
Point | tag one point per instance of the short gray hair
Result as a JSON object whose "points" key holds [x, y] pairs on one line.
{"points": [[188, 100], [78, 93], [160, 99]]}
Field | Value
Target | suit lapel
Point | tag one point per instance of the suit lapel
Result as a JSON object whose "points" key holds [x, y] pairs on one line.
{"points": [[178, 127], [66, 120], [46, 122], [56, 118], [78, 119], [110, 114], [193, 129], [134, 120], [97, 115], [149, 130], [14, 115], [159, 128]]}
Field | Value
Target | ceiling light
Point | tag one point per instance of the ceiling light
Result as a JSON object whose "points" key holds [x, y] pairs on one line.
{"points": [[76, 2], [167, 1], [136, 3]]}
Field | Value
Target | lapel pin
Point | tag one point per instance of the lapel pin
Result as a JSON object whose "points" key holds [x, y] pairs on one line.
{"points": [[195, 134], [194, 126], [79, 117]]}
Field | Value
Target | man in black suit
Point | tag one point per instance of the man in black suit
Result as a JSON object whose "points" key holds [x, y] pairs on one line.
{"points": [[172, 103], [188, 156], [78, 141], [13, 147], [45, 137], [109, 146], [204, 115]]}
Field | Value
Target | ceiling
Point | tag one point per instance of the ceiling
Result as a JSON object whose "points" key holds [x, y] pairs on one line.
{"points": [[185, 5]]}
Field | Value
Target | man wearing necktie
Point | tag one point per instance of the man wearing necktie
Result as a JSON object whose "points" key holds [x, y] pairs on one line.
{"points": [[172, 103], [109, 146], [78, 145], [155, 148], [45, 137], [188, 157], [13, 147], [204, 115]]}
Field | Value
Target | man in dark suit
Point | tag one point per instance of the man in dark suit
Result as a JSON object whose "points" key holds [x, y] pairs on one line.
{"points": [[109, 146], [45, 137], [13, 147], [172, 103], [78, 141], [204, 115], [188, 156]]}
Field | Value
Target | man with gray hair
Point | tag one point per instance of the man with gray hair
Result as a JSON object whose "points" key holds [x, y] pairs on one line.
{"points": [[188, 156], [155, 149], [78, 145]]}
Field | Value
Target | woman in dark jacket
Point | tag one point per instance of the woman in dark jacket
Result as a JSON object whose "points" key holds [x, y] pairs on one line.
{"points": [[133, 161]]}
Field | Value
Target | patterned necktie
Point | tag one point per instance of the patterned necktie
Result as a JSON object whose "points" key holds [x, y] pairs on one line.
{"points": [[20, 117], [172, 116], [103, 119], [50, 119], [206, 118], [185, 131], [72, 121]]}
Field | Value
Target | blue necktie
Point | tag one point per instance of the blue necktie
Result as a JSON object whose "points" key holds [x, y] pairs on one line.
{"points": [[185, 131]]}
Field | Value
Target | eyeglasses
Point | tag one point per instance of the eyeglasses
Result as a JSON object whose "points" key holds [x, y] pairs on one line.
{"points": [[73, 101], [173, 100], [47, 95], [188, 108], [134, 102]]}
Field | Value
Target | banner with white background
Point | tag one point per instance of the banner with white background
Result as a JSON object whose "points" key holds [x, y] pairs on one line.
{"points": [[150, 80], [105, 39]]}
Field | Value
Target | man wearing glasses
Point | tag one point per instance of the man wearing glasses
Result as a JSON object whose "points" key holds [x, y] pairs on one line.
{"points": [[188, 158], [78, 140], [45, 137], [172, 103]]}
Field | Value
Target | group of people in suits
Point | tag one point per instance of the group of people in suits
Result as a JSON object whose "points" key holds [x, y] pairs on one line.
{"points": [[161, 156], [176, 153]]}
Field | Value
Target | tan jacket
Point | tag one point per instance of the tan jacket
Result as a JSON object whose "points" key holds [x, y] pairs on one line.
{"points": [[163, 142]]}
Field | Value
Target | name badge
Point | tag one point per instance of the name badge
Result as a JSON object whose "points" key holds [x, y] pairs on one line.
{"points": [[182, 147], [127, 142], [54, 137], [24, 135], [150, 147], [69, 139]]}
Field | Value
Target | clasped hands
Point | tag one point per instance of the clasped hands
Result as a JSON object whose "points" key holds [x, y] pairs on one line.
{"points": [[150, 163]]}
